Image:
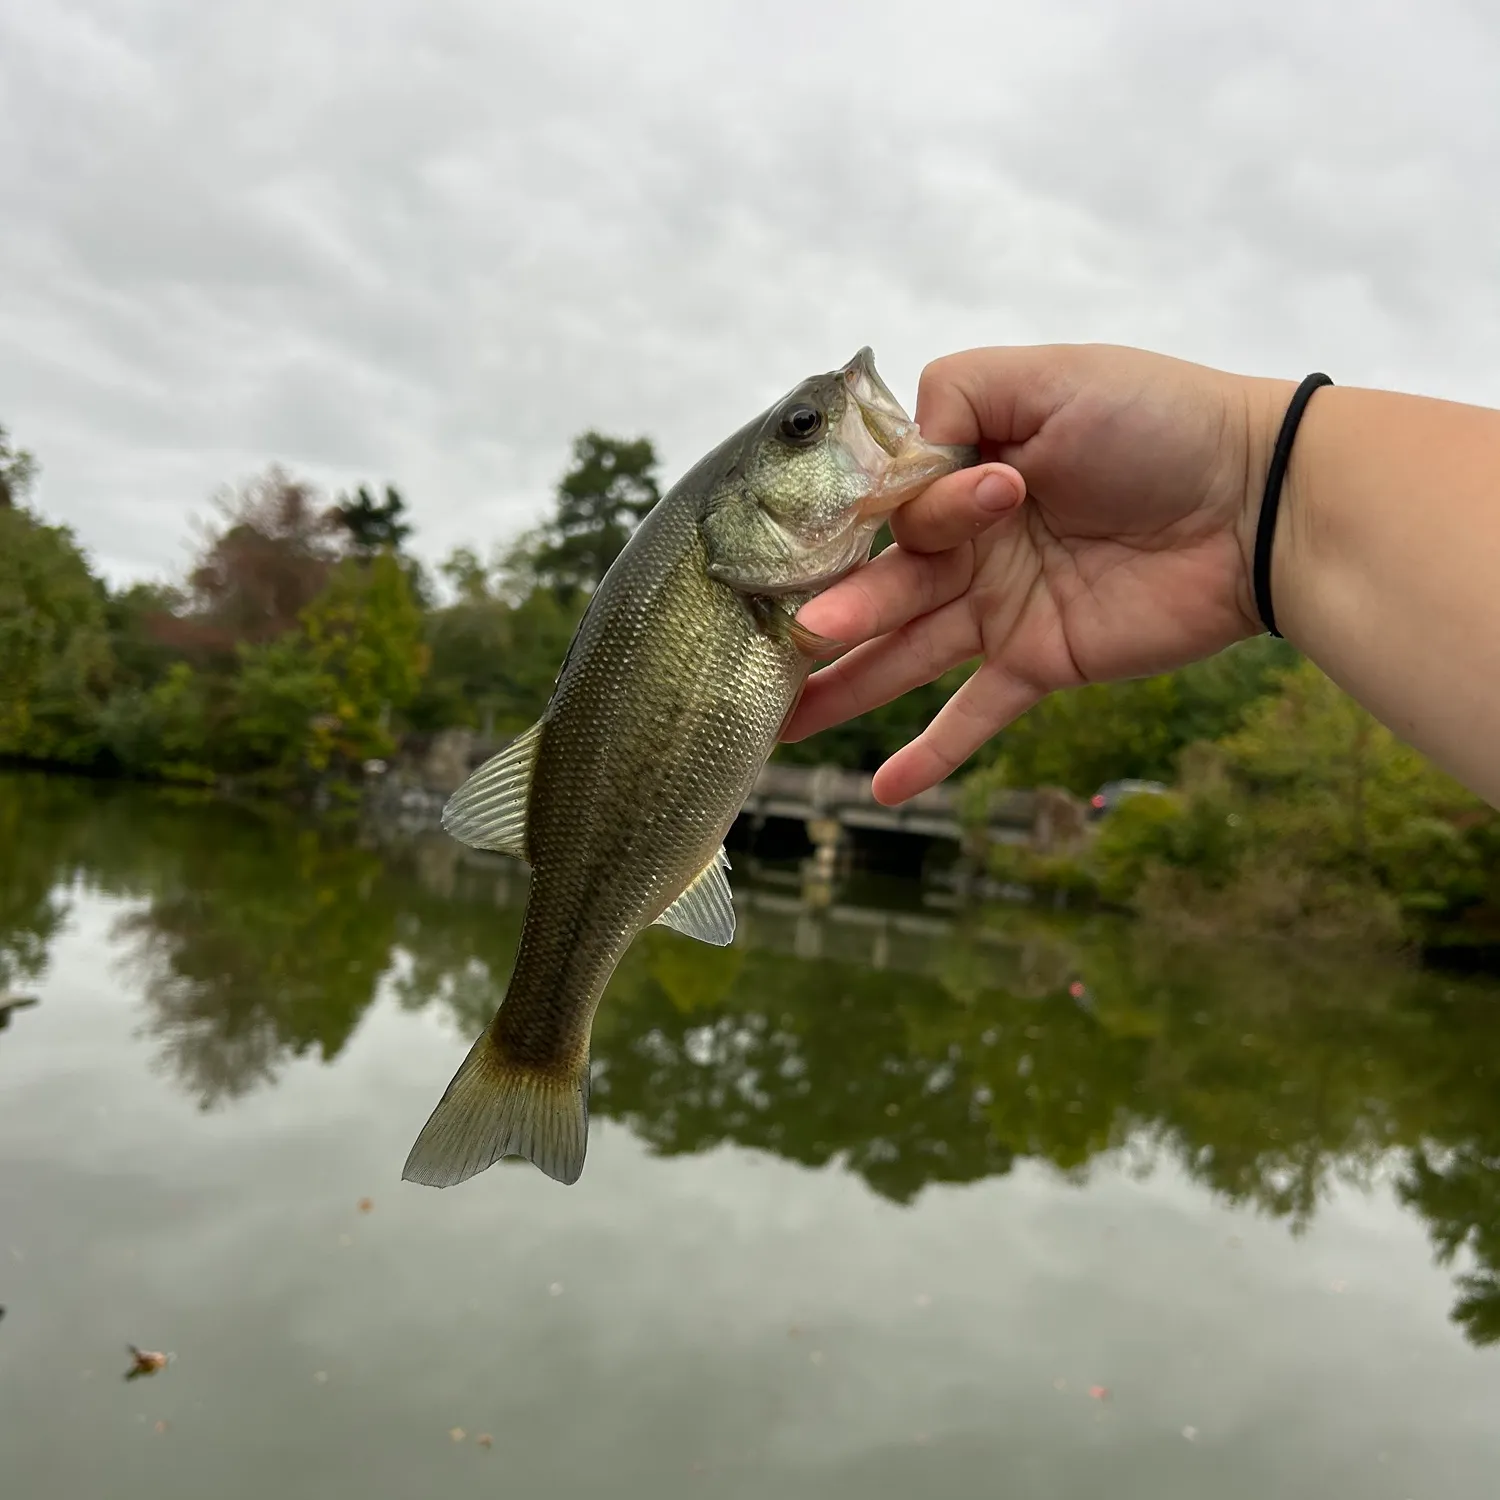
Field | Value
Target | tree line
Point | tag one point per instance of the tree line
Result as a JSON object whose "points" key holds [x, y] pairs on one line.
{"points": [[304, 641]]}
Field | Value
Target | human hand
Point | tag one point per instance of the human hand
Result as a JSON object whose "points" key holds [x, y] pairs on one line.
{"points": [[1109, 536]]}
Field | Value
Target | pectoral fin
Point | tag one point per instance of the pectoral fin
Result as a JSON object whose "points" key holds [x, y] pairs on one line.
{"points": [[810, 643], [705, 910], [489, 810]]}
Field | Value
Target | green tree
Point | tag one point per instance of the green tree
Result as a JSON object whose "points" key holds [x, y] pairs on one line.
{"points": [[1337, 792], [134, 617], [862, 744], [471, 644], [1214, 695], [495, 651], [171, 729], [1310, 816], [372, 525], [18, 471], [365, 634], [600, 501], [324, 698], [1083, 737], [279, 662], [54, 647]]}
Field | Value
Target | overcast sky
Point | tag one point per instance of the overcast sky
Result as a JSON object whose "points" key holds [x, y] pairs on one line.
{"points": [[429, 243]]}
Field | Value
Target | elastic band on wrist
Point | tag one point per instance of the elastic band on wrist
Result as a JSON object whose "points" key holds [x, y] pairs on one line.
{"points": [[1265, 531]]}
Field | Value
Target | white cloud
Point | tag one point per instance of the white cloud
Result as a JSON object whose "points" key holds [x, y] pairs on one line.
{"points": [[430, 244]]}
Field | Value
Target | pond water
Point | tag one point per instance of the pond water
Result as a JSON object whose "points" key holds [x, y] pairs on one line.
{"points": [[879, 1202]]}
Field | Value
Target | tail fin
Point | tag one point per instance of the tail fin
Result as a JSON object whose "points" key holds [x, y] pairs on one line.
{"points": [[496, 1108]]}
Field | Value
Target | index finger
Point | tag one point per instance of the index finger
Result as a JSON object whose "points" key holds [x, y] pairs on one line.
{"points": [[996, 397]]}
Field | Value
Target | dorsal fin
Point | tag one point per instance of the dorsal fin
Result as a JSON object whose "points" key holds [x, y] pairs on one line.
{"points": [[705, 910], [489, 810]]}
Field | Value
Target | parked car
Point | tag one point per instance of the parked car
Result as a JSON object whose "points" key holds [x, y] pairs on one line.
{"points": [[1113, 793]]}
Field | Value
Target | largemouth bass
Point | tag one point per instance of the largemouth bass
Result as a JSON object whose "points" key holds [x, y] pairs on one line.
{"points": [[673, 693]]}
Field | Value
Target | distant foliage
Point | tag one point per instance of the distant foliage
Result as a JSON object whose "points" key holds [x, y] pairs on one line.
{"points": [[286, 658], [303, 642], [18, 471], [1311, 816], [55, 657], [600, 501], [257, 570], [863, 744], [373, 527], [495, 651], [1086, 736], [166, 729], [325, 696], [1080, 738]]}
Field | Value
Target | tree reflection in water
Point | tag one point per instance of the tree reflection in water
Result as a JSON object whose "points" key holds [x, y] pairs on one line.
{"points": [[1269, 1077]]}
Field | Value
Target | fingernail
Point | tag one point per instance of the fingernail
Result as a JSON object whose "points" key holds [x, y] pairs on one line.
{"points": [[996, 492]]}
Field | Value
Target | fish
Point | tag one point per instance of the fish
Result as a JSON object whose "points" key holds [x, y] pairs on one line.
{"points": [[677, 684]]}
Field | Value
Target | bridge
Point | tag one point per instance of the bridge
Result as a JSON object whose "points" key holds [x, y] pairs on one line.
{"points": [[816, 794]]}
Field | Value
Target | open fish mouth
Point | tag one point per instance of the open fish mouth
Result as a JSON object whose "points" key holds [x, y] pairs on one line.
{"points": [[881, 413], [911, 463]]}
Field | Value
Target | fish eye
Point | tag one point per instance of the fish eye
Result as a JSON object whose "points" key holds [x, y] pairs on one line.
{"points": [[799, 423]]}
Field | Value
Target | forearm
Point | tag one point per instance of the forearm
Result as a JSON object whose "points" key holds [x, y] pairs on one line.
{"points": [[1386, 569]]}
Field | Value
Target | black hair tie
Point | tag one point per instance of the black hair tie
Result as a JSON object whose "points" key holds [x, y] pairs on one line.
{"points": [[1265, 532]]}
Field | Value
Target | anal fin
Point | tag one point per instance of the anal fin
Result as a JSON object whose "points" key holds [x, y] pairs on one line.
{"points": [[705, 910]]}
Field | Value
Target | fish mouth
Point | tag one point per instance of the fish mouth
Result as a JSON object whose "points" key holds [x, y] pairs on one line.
{"points": [[881, 413], [913, 462]]}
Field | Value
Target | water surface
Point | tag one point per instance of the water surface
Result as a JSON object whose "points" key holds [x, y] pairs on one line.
{"points": [[878, 1202]]}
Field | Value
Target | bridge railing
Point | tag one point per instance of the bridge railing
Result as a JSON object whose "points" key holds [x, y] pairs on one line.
{"points": [[829, 791]]}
